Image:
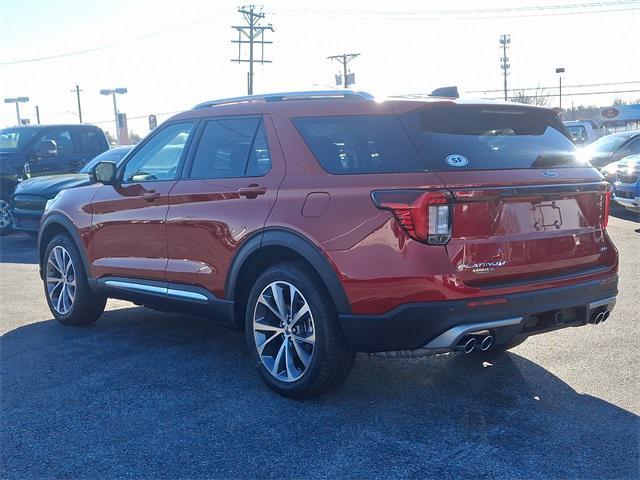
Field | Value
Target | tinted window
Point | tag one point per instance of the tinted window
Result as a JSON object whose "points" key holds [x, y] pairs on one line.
{"points": [[62, 138], [489, 138], [90, 142], [360, 144], [231, 148], [578, 134], [259, 159], [630, 149], [159, 158], [15, 139]]}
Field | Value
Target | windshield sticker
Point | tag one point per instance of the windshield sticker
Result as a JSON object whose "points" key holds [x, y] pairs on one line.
{"points": [[457, 160]]}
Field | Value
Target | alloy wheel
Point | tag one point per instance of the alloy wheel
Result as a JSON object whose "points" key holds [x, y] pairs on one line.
{"points": [[284, 331], [61, 280], [5, 214]]}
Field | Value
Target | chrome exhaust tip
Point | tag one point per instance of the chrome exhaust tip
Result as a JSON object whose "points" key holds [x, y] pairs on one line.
{"points": [[486, 343], [606, 315], [469, 345]]}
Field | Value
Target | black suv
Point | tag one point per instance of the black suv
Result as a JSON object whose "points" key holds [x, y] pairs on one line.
{"points": [[43, 150]]}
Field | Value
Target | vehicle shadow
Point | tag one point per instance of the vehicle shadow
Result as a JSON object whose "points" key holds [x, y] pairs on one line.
{"points": [[619, 211], [146, 395], [18, 247]]}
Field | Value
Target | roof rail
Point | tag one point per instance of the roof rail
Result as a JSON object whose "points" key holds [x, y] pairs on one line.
{"points": [[284, 96]]}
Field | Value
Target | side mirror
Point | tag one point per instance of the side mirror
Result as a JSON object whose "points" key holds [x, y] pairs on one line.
{"points": [[105, 172], [46, 149]]}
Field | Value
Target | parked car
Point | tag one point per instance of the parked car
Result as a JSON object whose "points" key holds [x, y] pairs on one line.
{"points": [[43, 150], [583, 132], [611, 148], [325, 224], [627, 183], [31, 195]]}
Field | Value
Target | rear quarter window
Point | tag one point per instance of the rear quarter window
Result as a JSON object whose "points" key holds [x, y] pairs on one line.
{"points": [[360, 144]]}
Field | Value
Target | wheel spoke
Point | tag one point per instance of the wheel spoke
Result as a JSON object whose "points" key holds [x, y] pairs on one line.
{"points": [[263, 327], [264, 301], [300, 313], [279, 299], [52, 263], [71, 294], [311, 339], [276, 362], [59, 260], [292, 295], [289, 364], [303, 355], [59, 304], [266, 342]]}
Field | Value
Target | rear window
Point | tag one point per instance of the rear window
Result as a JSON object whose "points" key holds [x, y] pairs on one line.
{"points": [[477, 138], [360, 144]]}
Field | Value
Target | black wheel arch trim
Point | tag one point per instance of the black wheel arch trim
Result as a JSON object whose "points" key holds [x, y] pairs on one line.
{"points": [[71, 229], [283, 237]]}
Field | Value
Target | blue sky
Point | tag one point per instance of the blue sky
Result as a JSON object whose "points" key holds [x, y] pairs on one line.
{"points": [[174, 54]]}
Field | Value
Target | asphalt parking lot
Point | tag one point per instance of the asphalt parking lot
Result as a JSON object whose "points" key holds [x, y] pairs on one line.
{"points": [[151, 395]]}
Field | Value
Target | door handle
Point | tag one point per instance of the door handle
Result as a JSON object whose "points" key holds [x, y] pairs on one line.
{"points": [[252, 191], [151, 196]]}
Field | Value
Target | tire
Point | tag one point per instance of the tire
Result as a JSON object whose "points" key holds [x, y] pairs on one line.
{"points": [[6, 222], [79, 305], [304, 368]]}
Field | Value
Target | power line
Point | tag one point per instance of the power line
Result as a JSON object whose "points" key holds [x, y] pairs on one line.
{"points": [[112, 45], [251, 34], [551, 88], [479, 14]]}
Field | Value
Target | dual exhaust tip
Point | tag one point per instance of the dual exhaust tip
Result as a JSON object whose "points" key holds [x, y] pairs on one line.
{"points": [[470, 343], [599, 316]]}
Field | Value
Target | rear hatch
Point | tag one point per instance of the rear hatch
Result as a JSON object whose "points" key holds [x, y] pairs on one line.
{"points": [[523, 207]]}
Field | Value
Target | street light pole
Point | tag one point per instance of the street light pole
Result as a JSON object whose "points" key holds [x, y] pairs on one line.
{"points": [[112, 92], [560, 71], [17, 101]]}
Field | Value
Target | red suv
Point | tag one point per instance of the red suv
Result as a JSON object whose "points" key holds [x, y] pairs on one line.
{"points": [[328, 223]]}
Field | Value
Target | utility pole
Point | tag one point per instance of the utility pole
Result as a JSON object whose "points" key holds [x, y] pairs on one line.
{"points": [[251, 34], [345, 58], [38, 114], [505, 40], [77, 92]]}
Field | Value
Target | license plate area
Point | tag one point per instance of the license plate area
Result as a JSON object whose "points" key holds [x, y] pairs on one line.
{"points": [[546, 216]]}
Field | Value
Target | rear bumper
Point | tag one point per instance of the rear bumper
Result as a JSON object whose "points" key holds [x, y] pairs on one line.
{"points": [[417, 325]]}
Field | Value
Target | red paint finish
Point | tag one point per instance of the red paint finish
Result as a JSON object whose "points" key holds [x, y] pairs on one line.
{"points": [[208, 220], [188, 231]]}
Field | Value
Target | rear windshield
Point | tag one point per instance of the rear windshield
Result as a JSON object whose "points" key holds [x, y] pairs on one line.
{"points": [[360, 144], [439, 138], [476, 138]]}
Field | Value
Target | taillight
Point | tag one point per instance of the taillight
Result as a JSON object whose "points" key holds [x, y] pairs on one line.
{"points": [[606, 206], [424, 215]]}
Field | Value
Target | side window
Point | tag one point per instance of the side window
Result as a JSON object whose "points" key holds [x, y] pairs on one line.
{"points": [[231, 148], [89, 141], [259, 159], [632, 149], [63, 139], [159, 158]]}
